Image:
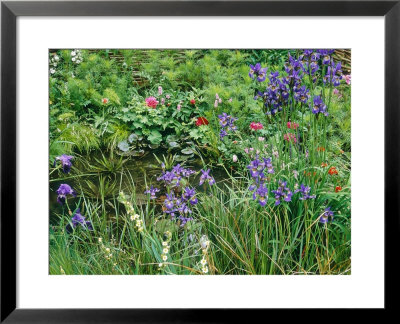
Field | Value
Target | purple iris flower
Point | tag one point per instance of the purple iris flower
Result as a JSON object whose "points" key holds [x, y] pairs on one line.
{"points": [[227, 124], [78, 219], [262, 194], [184, 220], [257, 166], [189, 195], [282, 192], [206, 177], [152, 191], [268, 164], [301, 94], [333, 74], [63, 191], [305, 192], [169, 201], [65, 162], [326, 216], [326, 55], [276, 94], [319, 106], [257, 70]]}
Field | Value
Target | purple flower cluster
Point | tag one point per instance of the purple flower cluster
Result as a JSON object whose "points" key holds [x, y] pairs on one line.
{"points": [[326, 55], [333, 74], [152, 191], [305, 192], [282, 192], [63, 191], [177, 207], [276, 94], [257, 170], [258, 166], [65, 162], [310, 60], [319, 107], [172, 178], [326, 216], [294, 68], [258, 71], [301, 94], [227, 124]]}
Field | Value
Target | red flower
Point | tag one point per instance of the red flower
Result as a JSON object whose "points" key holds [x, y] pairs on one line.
{"points": [[332, 171], [192, 101], [338, 188], [321, 149], [323, 164], [151, 102], [201, 121], [292, 125], [256, 126], [105, 100]]}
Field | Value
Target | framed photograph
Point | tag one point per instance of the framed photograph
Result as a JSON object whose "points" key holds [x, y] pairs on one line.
{"points": [[185, 156]]}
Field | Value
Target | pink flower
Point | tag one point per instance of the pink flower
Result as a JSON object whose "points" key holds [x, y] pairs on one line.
{"points": [[162, 101], [292, 125], [256, 126], [178, 107], [151, 102], [216, 96], [337, 93], [105, 100], [234, 158], [230, 100], [160, 91], [290, 137], [167, 96], [220, 100], [246, 150], [216, 103], [348, 78], [261, 139]]}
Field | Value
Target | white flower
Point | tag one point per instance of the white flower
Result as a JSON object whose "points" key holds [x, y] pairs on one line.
{"points": [[165, 250], [261, 139], [78, 61], [164, 257], [52, 71], [203, 262], [160, 265], [73, 53], [107, 250], [205, 269], [164, 243], [204, 242], [100, 240], [56, 58], [234, 158], [73, 59]]}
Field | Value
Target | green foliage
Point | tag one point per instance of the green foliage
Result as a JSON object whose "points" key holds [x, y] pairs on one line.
{"points": [[98, 114]]}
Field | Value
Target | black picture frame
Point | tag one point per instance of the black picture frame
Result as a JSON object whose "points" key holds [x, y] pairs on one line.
{"points": [[10, 10]]}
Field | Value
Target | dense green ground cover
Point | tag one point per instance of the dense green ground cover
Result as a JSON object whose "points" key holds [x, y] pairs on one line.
{"points": [[129, 117]]}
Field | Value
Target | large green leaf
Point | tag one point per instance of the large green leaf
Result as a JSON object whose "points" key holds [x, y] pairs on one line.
{"points": [[155, 137]]}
